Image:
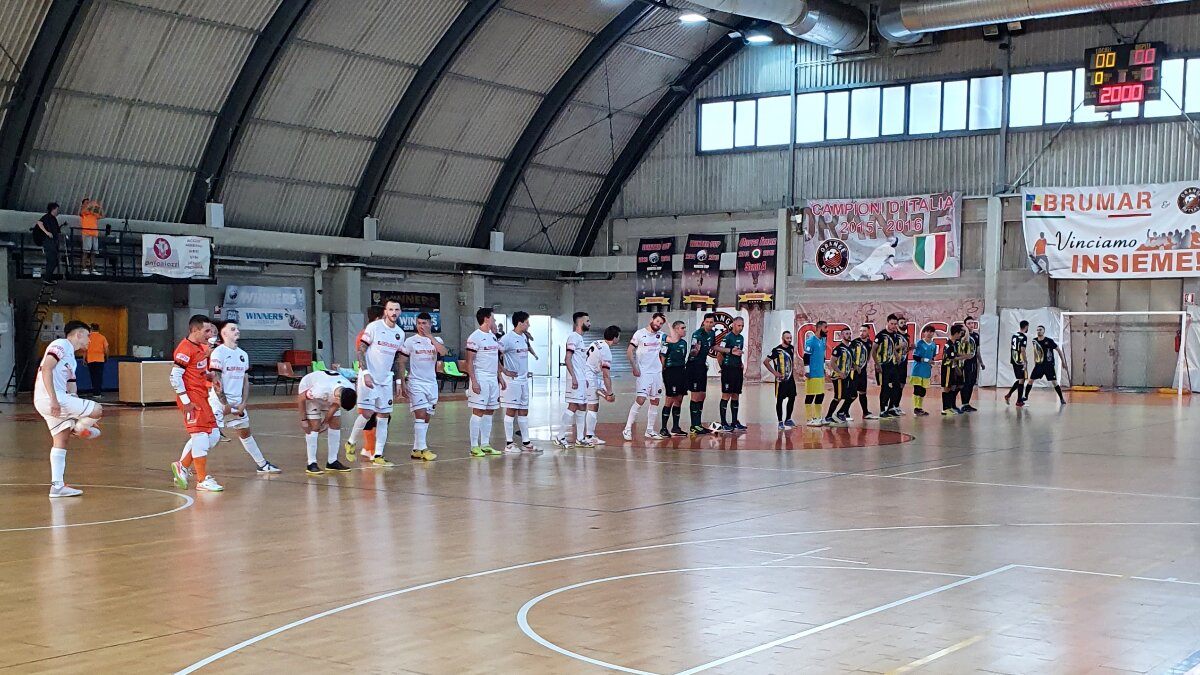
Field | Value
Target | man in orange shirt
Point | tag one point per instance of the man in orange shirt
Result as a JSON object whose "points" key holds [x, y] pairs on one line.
{"points": [[90, 214], [189, 379], [1039, 259], [97, 354]]}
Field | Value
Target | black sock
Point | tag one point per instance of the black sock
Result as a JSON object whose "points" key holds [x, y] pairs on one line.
{"points": [[733, 410], [845, 411], [791, 406], [779, 408], [724, 407], [947, 400], [966, 394], [1028, 388], [1016, 387], [1058, 390], [832, 407], [885, 395], [675, 413], [862, 403], [697, 412], [666, 415]]}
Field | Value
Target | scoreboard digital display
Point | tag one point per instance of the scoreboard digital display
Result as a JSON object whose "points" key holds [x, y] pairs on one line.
{"points": [[1123, 74]]}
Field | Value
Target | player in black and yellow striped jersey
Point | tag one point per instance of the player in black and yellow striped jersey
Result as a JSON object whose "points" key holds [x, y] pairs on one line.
{"points": [[972, 365], [1016, 356], [674, 354], [952, 369], [861, 347], [842, 369], [887, 373], [780, 363], [1044, 364]]}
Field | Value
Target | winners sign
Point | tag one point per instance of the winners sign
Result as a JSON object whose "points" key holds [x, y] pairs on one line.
{"points": [[654, 266], [1120, 232]]}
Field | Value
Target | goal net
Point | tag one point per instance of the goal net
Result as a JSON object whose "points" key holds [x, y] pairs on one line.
{"points": [[1126, 351]]}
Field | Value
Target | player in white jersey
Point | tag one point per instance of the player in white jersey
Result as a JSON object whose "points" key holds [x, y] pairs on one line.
{"points": [[576, 410], [515, 348], [54, 397], [483, 371], [378, 381], [322, 397], [420, 352], [597, 381], [230, 389], [643, 352]]}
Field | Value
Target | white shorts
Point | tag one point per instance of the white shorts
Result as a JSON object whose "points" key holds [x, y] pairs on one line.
{"points": [[422, 395], [378, 399], [488, 397], [516, 395], [650, 385], [577, 395], [72, 408], [317, 410], [594, 387], [235, 421]]}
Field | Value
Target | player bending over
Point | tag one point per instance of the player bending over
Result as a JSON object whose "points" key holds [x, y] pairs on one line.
{"points": [[55, 399], [322, 397]]}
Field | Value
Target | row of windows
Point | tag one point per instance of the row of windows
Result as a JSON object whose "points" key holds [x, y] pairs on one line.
{"points": [[927, 108]]}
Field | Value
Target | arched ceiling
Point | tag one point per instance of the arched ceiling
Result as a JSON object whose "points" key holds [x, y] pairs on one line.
{"points": [[305, 115]]}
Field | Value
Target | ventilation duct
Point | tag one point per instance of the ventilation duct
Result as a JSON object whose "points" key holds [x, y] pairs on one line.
{"points": [[904, 21], [824, 22]]}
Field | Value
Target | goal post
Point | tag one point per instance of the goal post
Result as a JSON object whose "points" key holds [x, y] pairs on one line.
{"points": [[1124, 350]]}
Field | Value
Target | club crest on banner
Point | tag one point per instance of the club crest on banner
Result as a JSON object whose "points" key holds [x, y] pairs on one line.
{"points": [[931, 251]]}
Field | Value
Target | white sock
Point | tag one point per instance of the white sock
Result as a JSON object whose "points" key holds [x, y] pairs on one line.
{"points": [[187, 450], [58, 465], [333, 441], [591, 423], [633, 411], [568, 419], [485, 430], [508, 428], [475, 424], [251, 447], [580, 424], [420, 433], [523, 423], [652, 420], [360, 423], [310, 444], [381, 424]]}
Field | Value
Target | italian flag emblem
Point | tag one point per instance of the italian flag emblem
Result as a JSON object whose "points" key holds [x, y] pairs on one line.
{"points": [[931, 251]]}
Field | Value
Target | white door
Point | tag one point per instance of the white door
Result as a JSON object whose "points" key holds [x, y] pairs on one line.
{"points": [[539, 330]]}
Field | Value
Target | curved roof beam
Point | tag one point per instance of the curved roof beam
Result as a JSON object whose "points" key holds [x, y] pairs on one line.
{"points": [[230, 124], [38, 75], [549, 110], [649, 130], [409, 110]]}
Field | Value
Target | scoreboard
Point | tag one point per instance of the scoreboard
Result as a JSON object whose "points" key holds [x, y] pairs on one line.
{"points": [[1123, 74]]}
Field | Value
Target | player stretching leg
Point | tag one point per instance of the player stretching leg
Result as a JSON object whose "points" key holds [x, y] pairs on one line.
{"points": [[378, 381], [1016, 356], [814, 386], [1044, 349], [189, 379], [597, 382], [674, 359], [322, 397], [421, 352], [861, 347], [730, 350], [703, 340], [575, 414], [924, 353], [54, 397], [644, 355], [779, 362], [230, 391], [515, 349], [483, 369]]}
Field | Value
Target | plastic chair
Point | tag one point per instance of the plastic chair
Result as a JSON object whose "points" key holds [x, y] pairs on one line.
{"points": [[453, 374], [286, 376], [318, 365]]}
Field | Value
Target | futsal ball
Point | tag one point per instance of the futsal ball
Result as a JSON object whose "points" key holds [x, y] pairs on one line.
{"points": [[701, 255]]}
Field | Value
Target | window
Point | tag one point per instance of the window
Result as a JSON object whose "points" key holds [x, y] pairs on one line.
{"points": [[774, 119], [1191, 90], [837, 115], [1084, 113], [716, 126], [864, 113], [925, 108], [743, 123], [986, 96], [1060, 96], [893, 111], [810, 118], [1172, 91], [954, 106], [1027, 100]]}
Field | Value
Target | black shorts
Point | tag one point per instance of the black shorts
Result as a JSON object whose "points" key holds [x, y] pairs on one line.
{"points": [[1019, 371], [844, 389], [860, 381], [731, 379], [697, 377], [1045, 370], [785, 389], [951, 377], [675, 381]]}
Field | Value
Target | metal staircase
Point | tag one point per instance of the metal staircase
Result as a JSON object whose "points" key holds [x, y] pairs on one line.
{"points": [[46, 296]]}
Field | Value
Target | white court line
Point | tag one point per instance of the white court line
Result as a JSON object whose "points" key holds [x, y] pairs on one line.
{"points": [[841, 560], [1032, 487], [187, 501], [648, 547], [1171, 580], [523, 613], [909, 473], [1060, 569]]}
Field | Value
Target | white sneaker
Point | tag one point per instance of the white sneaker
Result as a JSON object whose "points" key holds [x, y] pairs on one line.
{"points": [[653, 435], [815, 422], [511, 449], [268, 467], [209, 484], [562, 442], [596, 440], [586, 443], [627, 434], [89, 433], [63, 490]]}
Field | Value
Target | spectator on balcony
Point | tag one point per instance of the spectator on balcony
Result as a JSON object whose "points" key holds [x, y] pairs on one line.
{"points": [[49, 229], [90, 214]]}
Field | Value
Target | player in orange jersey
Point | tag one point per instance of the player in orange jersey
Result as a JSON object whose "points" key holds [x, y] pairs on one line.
{"points": [[189, 379]]}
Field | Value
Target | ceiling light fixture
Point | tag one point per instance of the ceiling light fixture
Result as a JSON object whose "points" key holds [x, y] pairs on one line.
{"points": [[759, 38], [692, 17]]}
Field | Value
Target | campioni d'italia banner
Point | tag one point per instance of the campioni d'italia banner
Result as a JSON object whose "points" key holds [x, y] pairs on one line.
{"points": [[887, 239], [1119, 232]]}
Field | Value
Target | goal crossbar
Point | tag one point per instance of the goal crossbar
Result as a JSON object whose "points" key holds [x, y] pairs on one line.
{"points": [[1181, 371]]}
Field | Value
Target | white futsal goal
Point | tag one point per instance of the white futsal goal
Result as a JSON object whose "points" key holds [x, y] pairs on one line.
{"points": [[1134, 351]]}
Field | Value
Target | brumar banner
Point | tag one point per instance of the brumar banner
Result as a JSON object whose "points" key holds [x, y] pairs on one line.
{"points": [[702, 270], [654, 268], [1119, 232], [887, 239], [266, 307], [756, 259], [412, 304]]}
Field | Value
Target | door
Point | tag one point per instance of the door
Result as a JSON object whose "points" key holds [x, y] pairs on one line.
{"points": [[539, 330]]}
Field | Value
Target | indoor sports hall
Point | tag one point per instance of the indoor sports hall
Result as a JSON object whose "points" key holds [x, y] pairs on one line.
{"points": [[789, 337]]}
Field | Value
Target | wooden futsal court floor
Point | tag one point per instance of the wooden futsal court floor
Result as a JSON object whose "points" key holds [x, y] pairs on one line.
{"points": [[1010, 541]]}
